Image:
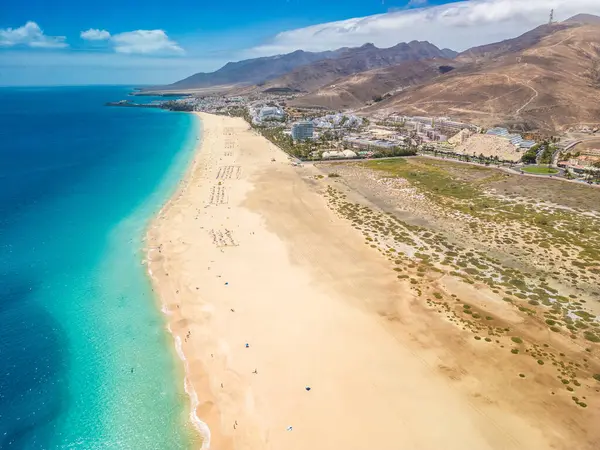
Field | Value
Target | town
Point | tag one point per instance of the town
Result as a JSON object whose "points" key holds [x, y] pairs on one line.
{"points": [[315, 134]]}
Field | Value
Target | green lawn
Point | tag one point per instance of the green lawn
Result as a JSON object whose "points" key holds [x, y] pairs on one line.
{"points": [[540, 170]]}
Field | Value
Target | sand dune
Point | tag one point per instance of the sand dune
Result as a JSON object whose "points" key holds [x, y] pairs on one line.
{"points": [[248, 252]]}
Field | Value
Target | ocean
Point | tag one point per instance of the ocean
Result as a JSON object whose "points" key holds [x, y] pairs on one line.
{"points": [[86, 361]]}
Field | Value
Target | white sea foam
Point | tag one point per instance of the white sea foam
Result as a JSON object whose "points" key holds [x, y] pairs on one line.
{"points": [[201, 426], [179, 350], [189, 389], [198, 423]]}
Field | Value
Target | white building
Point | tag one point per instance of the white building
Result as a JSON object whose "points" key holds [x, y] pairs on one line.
{"points": [[271, 113], [353, 122], [369, 144], [332, 154], [338, 120], [335, 154], [322, 123]]}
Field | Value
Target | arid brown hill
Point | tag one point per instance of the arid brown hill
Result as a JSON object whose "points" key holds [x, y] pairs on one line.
{"points": [[584, 19], [321, 73], [520, 43], [374, 85], [548, 86]]}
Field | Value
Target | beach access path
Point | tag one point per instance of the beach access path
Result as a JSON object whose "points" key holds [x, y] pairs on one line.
{"points": [[268, 293]]}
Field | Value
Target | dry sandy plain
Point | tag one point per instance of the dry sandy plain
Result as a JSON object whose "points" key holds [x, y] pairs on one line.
{"points": [[269, 288]]}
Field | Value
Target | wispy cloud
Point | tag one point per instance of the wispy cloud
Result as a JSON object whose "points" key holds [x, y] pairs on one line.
{"points": [[30, 35], [146, 42], [457, 25], [94, 34]]}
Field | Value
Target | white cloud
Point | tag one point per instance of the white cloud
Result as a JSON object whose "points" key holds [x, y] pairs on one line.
{"points": [[30, 35], [142, 42], [94, 34], [146, 42], [456, 25]]}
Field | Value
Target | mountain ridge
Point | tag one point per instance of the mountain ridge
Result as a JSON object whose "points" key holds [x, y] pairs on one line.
{"points": [[250, 71], [583, 19], [367, 57], [261, 70], [519, 43]]}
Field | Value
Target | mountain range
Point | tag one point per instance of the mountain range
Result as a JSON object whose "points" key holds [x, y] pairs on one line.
{"points": [[251, 71], [356, 60], [547, 78], [297, 69]]}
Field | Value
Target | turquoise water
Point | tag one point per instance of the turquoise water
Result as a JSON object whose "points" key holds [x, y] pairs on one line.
{"points": [[85, 359]]}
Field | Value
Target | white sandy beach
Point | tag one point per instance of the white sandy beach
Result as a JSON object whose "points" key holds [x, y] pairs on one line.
{"points": [[248, 252]]}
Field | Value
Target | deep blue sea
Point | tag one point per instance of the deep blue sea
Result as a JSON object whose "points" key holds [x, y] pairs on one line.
{"points": [[85, 359]]}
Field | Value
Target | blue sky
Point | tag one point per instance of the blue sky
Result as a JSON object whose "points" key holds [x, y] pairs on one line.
{"points": [[124, 42]]}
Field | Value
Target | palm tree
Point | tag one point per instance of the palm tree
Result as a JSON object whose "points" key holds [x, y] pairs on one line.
{"points": [[595, 172]]}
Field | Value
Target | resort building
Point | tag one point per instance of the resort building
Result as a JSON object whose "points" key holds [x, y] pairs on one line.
{"points": [[302, 130], [515, 139], [594, 152], [271, 113], [338, 120], [450, 127], [527, 144], [334, 154], [434, 135], [584, 160], [322, 123], [370, 144], [581, 164], [497, 131]]}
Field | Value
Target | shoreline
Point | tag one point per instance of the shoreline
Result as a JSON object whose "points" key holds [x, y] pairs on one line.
{"points": [[201, 427]]}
